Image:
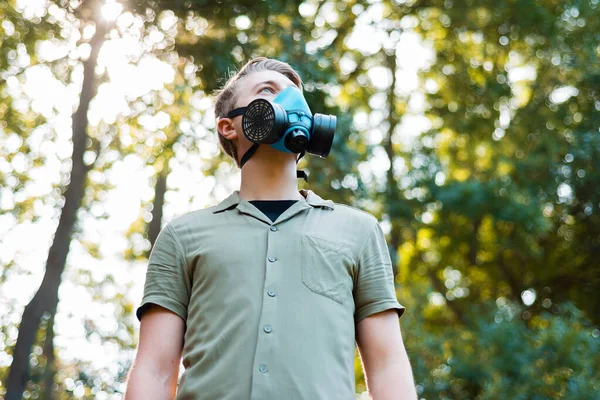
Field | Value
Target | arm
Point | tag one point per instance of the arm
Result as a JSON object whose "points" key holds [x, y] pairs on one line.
{"points": [[156, 367], [385, 361]]}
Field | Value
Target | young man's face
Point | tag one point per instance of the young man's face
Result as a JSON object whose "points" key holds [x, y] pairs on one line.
{"points": [[265, 85]]}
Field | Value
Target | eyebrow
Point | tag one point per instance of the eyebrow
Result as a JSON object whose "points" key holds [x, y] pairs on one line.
{"points": [[269, 82]]}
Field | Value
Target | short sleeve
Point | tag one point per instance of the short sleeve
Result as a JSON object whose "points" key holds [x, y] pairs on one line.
{"points": [[374, 289], [167, 283]]}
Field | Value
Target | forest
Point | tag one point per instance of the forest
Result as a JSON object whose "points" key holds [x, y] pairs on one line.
{"points": [[469, 128]]}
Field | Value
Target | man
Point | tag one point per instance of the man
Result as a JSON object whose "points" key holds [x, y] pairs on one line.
{"points": [[266, 294]]}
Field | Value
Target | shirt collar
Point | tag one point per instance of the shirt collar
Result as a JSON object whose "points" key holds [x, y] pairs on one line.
{"points": [[314, 200], [311, 198]]}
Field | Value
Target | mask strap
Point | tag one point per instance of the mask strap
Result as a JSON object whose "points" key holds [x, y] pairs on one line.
{"points": [[236, 112], [301, 173], [248, 154]]}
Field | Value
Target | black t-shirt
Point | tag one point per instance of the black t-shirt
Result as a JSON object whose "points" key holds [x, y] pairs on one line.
{"points": [[273, 208]]}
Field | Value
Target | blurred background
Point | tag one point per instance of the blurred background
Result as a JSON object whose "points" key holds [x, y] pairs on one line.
{"points": [[471, 129]]}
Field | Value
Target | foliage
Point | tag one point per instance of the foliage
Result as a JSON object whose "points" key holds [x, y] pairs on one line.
{"points": [[501, 357], [498, 173]]}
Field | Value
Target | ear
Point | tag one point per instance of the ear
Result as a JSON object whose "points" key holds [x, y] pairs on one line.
{"points": [[225, 127]]}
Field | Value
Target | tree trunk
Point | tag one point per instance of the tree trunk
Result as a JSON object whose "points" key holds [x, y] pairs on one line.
{"points": [[159, 200], [50, 368], [46, 298], [392, 185], [474, 248]]}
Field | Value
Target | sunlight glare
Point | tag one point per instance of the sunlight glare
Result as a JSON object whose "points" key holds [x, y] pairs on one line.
{"points": [[562, 94], [528, 296], [380, 77], [111, 10]]}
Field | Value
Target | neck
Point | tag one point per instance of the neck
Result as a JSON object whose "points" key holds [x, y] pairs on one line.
{"points": [[269, 177]]}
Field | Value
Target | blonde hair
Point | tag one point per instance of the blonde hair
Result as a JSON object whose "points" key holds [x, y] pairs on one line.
{"points": [[226, 97]]}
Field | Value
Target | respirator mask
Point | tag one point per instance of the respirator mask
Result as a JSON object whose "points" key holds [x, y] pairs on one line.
{"points": [[287, 125]]}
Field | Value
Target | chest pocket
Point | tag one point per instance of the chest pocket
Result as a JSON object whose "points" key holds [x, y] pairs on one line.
{"points": [[326, 268]]}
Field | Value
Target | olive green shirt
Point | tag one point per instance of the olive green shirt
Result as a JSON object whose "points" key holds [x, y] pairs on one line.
{"points": [[270, 307]]}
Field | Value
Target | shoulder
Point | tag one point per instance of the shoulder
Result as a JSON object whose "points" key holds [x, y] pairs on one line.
{"points": [[354, 213], [344, 215], [355, 216], [347, 224], [193, 220]]}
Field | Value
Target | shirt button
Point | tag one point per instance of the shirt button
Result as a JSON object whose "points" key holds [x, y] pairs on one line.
{"points": [[267, 328], [272, 259], [271, 293], [263, 368], [273, 229]]}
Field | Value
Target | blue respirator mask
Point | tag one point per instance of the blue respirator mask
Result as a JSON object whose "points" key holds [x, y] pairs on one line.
{"points": [[287, 125]]}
